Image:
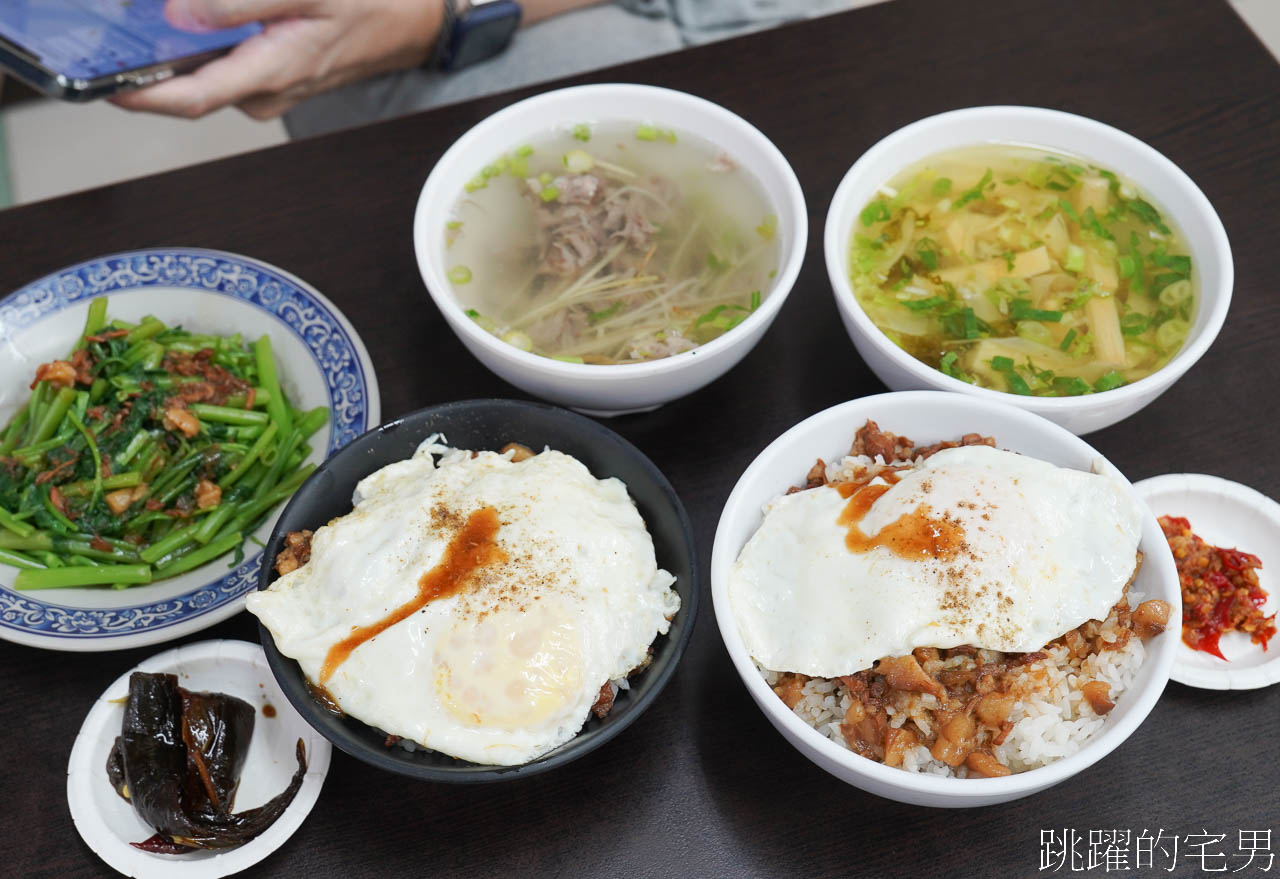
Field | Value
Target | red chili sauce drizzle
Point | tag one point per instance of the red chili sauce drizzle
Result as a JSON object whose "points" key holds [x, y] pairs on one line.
{"points": [[472, 548], [913, 535]]}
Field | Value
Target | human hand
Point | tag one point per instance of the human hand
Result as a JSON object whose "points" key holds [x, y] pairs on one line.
{"points": [[305, 47]]}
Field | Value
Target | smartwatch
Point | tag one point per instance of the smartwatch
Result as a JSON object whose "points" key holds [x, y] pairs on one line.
{"points": [[474, 31]]}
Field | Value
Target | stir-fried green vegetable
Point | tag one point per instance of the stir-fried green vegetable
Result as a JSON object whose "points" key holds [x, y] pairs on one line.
{"points": [[148, 451], [1025, 272]]}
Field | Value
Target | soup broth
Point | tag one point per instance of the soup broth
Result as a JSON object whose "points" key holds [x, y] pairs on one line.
{"points": [[1023, 271], [612, 243]]}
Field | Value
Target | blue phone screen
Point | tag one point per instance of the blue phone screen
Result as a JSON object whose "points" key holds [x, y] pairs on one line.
{"points": [[85, 39]]}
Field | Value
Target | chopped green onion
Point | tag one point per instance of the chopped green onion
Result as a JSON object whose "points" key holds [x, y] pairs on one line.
{"points": [[1179, 265], [475, 183], [973, 194], [549, 193], [768, 227], [963, 324], [1070, 386], [460, 274], [1148, 214], [1170, 334], [1126, 265], [518, 339], [1074, 261], [949, 367], [755, 299], [875, 212], [941, 187], [1067, 340], [1160, 282], [1016, 383], [927, 250], [1094, 225], [1175, 294], [577, 162], [453, 225], [1068, 210], [1021, 309], [925, 304], [485, 323], [646, 132], [604, 313], [1110, 381], [1035, 331], [582, 132], [1134, 324], [524, 151]]}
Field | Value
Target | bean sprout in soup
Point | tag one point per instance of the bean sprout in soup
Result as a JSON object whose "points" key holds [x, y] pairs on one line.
{"points": [[612, 243], [1024, 271]]}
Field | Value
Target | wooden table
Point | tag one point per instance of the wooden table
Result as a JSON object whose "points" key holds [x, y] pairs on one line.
{"points": [[702, 785]]}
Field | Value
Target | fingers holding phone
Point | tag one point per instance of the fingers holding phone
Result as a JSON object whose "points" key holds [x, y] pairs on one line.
{"points": [[304, 47]]}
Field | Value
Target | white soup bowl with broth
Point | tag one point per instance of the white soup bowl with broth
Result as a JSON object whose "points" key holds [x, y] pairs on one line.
{"points": [[624, 387], [1156, 178]]}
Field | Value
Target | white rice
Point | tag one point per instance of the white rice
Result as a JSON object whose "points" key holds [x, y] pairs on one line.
{"points": [[1052, 718]]}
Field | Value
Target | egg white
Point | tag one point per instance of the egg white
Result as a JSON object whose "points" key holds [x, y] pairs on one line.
{"points": [[508, 668], [1046, 549]]}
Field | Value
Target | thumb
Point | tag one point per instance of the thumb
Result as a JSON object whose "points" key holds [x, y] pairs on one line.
{"points": [[201, 16]]}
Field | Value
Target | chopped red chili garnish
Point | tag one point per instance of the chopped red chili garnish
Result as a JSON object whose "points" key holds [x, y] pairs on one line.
{"points": [[1220, 590]]}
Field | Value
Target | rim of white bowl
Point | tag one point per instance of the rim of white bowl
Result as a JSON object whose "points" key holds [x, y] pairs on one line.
{"points": [[439, 288], [1010, 786], [835, 252]]}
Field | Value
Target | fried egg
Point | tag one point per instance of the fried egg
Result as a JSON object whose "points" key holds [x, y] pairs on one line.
{"points": [[972, 546], [475, 606]]}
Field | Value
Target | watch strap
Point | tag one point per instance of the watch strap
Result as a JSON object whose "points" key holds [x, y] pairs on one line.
{"points": [[440, 51]]}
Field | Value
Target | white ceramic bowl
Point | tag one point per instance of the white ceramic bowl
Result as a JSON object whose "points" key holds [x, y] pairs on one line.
{"points": [[1162, 181], [609, 390], [930, 416]]}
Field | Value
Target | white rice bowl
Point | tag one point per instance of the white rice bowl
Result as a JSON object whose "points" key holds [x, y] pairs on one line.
{"points": [[1052, 719], [1057, 733]]}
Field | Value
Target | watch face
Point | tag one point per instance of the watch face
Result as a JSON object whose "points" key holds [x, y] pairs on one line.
{"points": [[482, 33]]}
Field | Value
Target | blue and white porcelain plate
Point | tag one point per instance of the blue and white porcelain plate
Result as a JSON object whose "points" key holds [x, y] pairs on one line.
{"points": [[321, 361]]}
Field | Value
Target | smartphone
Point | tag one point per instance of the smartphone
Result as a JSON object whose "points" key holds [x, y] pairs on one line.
{"points": [[79, 50]]}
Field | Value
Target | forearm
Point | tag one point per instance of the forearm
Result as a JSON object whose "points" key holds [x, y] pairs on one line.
{"points": [[536, 10]]}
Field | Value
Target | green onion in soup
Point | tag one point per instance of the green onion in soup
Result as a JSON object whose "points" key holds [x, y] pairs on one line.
{"points": [[1023, 271]]}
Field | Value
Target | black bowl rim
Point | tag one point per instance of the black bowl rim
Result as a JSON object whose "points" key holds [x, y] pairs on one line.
{"points": [[286, 670]]}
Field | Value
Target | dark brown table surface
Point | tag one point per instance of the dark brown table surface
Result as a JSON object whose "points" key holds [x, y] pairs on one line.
{"points": [[701, 784]]}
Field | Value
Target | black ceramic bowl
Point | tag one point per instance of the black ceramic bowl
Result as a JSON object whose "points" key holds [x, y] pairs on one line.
{"points": [[491, 424]]}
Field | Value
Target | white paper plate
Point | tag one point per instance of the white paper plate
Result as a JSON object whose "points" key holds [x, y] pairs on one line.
{"points": [[322, 362], [1226, 514], [108, 823]]}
